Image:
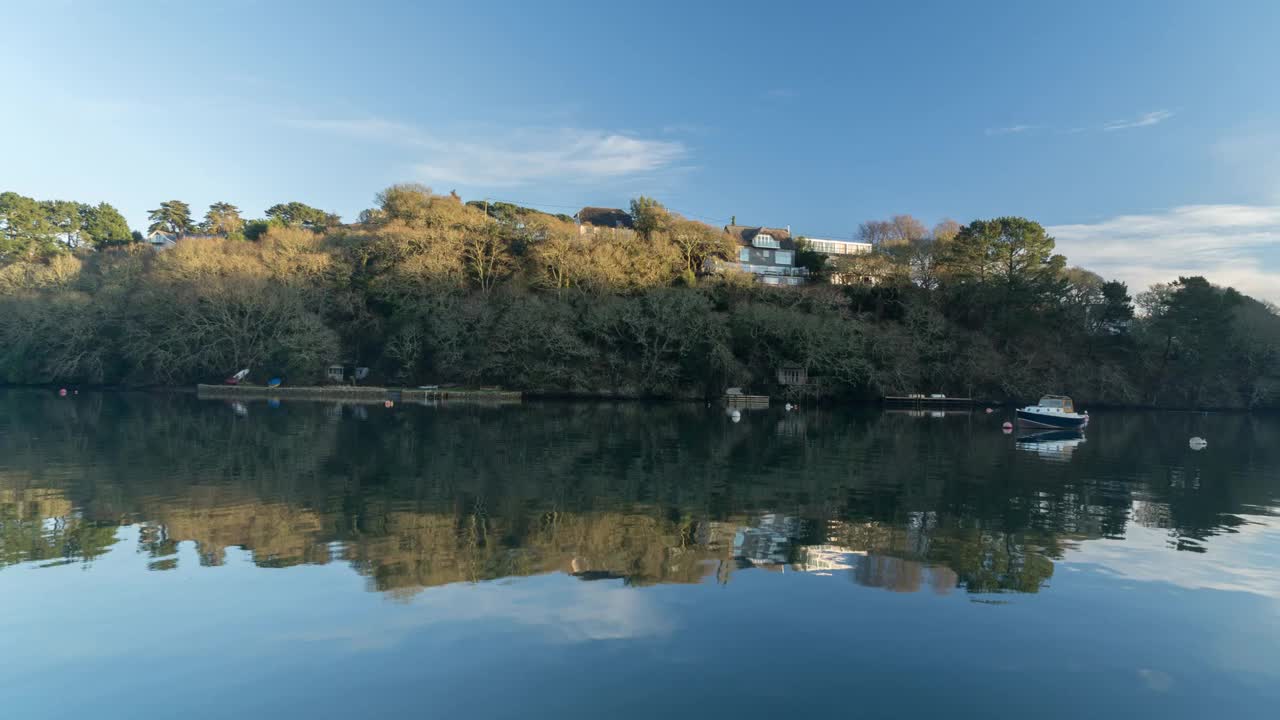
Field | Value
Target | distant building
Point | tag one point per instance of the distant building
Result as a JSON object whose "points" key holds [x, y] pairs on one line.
{"points": [[837, 247], [160, 240], [793, 375], [767, 253], [590, 218]]}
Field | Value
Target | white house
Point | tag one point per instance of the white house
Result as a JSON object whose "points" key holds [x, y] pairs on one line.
{"points": [[838, 247], [160, 240]]}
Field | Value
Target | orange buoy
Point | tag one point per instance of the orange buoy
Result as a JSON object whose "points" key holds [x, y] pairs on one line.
{"points": [[62, 392], [1007, 427], [387, 404]]}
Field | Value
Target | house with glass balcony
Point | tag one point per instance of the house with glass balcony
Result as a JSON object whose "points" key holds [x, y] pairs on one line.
{"points": [[767, 253], [837, 247]]}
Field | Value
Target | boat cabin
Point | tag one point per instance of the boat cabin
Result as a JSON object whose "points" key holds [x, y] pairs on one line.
{"points": [[1061, 403]]}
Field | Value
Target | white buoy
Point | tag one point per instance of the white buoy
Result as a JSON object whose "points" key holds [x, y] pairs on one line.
{"points": [[787, 407], [735, 416], [1198, 443]]}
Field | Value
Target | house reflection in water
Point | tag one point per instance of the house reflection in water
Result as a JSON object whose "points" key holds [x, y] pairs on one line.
{"points": [[874, 570], [773, 543], [767, 544]]}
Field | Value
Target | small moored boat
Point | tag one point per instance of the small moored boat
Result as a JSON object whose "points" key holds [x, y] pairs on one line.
{"points": [[1053, 411]]}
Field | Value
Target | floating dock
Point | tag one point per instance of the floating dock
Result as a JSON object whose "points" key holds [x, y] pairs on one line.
{"points": [[755, 401], [921, 401], [358, 393]]}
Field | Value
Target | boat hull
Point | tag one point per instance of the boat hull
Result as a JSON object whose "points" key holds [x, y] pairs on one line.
{"points": [[1056, 421]]}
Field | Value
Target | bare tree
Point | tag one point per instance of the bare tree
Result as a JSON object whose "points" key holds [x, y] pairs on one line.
{"points": [[906, 229], [946, 230], [898, 229], [874, 231], [698, 241], [487, 257]]}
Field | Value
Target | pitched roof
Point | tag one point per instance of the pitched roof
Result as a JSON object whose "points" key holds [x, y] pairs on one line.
{"points": [[167, 238], [605, 217], [743, 235]]}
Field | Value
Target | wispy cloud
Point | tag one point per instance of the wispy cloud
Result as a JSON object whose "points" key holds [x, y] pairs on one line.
{"points": [[1010, 130], [568, 154], [1154, 117], [370, 129], [515, 157], [1228, 244]]}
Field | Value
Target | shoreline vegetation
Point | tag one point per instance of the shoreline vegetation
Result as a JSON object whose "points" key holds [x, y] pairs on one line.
{"points": [[428, 289]]}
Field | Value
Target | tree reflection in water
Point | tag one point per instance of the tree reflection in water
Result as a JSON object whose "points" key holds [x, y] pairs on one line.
{"points": [[419, 497]]}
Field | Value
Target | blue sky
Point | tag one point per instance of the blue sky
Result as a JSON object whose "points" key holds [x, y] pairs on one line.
{"points": [[1145, 134]]}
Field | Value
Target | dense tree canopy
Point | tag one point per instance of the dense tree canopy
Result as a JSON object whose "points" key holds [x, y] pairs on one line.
{"points": [[302, 215], [104, 225], [426, 288], [649, 216], [223, 218], [32, 229], [173, 216]]}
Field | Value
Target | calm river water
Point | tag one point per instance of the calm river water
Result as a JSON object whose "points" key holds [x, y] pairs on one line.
{"points": [[162, 556]]}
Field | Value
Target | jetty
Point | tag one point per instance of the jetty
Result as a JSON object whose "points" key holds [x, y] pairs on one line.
{"points": [[358, 393], [748, 401], [921, 400]]}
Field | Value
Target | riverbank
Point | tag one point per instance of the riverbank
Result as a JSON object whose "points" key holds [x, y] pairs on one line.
{"points": [[379, 394]]}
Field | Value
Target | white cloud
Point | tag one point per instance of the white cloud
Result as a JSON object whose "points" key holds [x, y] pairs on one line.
{"points": [[517, 157], [1224, 243], [1154, 117]]}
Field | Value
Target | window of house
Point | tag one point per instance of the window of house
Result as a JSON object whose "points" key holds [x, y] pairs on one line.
{"points": [[765, 240], [744, 254], [782, 257]]}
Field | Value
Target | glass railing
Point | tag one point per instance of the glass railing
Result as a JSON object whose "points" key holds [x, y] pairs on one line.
{"points": [[784, 270]]}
